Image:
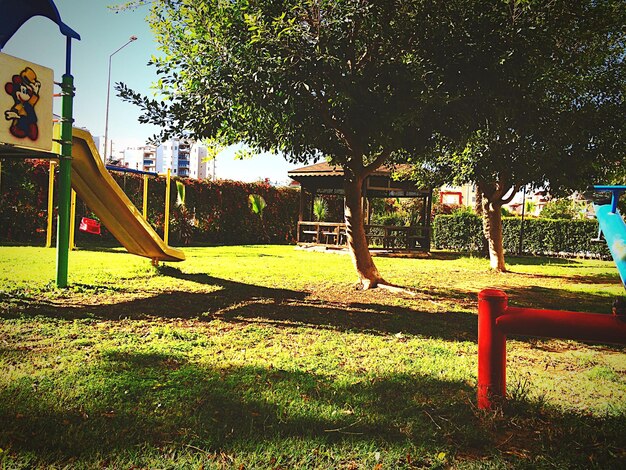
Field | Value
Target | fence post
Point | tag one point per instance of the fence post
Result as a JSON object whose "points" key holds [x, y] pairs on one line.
{"points": [[145, 197], [166, 223], [491, 348], [50, 204]]}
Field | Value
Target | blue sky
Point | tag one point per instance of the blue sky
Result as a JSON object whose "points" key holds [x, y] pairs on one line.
{"points": [[102, 32]]}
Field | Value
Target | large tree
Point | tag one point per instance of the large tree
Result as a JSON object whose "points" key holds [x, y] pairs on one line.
{"points": [[359, 82], [558, 112]]}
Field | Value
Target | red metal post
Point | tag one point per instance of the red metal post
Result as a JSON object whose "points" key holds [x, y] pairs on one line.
{"points": [[491, 348]]}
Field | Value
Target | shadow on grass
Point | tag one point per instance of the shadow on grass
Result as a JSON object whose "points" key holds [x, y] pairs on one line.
{"points": [[541, 261], [246, 303], [239, 302], [588, 279], [559, 299], [127, 401], [511, 260]]}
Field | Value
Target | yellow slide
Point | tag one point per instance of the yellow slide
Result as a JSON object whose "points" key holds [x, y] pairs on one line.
{"points": [[94, 185]]}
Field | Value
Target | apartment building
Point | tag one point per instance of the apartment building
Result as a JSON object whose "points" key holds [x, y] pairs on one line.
{"points": [[141, 158], [199, 168], [174, 155]]}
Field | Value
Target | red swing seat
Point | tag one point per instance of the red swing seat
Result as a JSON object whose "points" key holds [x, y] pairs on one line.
{"points": [[89, 226]]}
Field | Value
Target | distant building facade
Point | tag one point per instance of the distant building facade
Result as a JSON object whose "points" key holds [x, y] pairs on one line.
{"points": [[458, 195], [141, 158], [182, 157], [199, 167], [174, 155]]}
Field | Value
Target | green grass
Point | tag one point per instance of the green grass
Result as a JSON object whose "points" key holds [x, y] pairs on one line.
{"points": [[267, 357]]}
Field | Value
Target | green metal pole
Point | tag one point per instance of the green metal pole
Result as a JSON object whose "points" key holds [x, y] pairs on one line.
{"points": [[65, 179]]}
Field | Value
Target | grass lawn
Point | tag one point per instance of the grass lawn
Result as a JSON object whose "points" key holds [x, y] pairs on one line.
{"points": [[266, 357]]}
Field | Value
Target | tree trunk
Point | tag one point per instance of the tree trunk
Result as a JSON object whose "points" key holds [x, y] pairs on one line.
{"points": [[492, 229], [369, 276]]}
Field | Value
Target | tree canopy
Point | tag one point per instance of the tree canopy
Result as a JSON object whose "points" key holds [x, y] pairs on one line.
{"points": [[359, 82], [315, 78], [559, 115]]}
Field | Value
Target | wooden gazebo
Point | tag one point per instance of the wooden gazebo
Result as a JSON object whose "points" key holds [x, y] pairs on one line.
{"points": [[324, 179]]}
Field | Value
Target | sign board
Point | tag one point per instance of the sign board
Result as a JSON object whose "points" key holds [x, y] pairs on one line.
{"points": [[25, 103]]}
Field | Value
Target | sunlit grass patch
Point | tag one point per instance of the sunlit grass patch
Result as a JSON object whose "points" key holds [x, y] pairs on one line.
{"points": [[267, 357]]}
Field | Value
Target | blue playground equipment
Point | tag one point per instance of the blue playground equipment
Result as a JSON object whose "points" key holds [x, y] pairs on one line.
{"points": [[612, 226]]}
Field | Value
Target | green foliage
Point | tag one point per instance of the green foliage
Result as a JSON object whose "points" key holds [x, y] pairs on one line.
{"points": [[529, 207], [257, 204], [183, 219], [463, 232], [554, 107], [320, 209], [23, 200], [559, 209], [388, 218], [213, 212], [397, 211], [359, 82], [506, 213], [180, 192], [462, 211], [459, 232], [552, 112]]}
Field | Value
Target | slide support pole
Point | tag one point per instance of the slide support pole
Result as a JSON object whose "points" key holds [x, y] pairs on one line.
{"points": [[50, 204], [72, 220], [145, 197], [166, 228], [65, 173]]}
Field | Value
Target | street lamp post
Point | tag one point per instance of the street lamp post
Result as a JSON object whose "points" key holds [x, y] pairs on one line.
{"points": [[106, 119]]}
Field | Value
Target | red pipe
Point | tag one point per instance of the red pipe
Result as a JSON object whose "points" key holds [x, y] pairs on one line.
{"points": [[601, 328], [496, 320], [491, 348]]}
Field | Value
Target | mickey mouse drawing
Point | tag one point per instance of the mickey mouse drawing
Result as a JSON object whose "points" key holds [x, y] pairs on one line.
{"points": [[24, 89]]}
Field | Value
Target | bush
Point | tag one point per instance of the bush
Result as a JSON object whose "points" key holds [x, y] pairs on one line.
{"points": [[388, 219], [559, 209], [219, 210], [463, 232], [23, 200]]}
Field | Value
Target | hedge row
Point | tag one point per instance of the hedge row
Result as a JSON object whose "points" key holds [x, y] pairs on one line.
{"points": [[216, 212], [463, 232]]}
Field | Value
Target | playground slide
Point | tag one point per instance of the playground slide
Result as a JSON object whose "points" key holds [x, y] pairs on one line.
{"points": [[613, 227], [94, 185]]}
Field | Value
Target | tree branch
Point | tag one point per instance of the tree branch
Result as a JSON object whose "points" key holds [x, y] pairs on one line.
{"points": [[344, 134], [376, 164], [515, 189]]}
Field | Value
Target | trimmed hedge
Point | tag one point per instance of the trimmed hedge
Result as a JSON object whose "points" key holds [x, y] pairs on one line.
{"points": [[459, 232], [23, 200], [463, 232], [220, 210]]}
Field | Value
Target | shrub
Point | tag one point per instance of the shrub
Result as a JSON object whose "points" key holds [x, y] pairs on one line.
{"points": [[388, 219], [23, 200], [459, 232], [320, 209], [559, 209], [218, 209], [463, 232]]}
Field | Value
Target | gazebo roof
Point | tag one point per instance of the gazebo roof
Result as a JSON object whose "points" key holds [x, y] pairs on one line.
{"points": [[324, 178]]}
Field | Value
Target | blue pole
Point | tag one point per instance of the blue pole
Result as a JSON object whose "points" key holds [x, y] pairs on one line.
{"points": [[613, 227]]}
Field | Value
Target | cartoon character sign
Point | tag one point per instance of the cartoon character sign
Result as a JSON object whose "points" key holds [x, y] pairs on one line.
{"points": [[24, 89], [26, 94]]}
